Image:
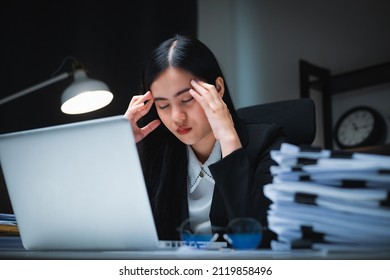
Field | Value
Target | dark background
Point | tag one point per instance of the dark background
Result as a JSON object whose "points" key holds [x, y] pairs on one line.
{"points": [[111, 39]]}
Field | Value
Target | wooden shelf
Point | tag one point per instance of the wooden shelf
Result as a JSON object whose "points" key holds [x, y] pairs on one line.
{"points": [[378, 150], [329, 85], [365, 77]]}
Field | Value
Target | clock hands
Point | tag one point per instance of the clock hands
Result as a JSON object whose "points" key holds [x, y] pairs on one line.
{"points": [[357, 127]]}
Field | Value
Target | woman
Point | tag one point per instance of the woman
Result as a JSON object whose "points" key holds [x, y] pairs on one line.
{"points": [[199, 159]]}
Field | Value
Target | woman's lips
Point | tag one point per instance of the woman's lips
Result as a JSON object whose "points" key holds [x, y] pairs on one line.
{"points": [[183, 130]]}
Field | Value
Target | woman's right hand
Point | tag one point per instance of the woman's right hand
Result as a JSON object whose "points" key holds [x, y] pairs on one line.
{"points": [[136, 110]]}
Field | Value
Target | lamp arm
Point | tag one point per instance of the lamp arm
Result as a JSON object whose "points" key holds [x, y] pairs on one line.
{"points": [[34, 88]]}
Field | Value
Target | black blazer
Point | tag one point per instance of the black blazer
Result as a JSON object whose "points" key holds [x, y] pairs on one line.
{"points": [[239, 180]]}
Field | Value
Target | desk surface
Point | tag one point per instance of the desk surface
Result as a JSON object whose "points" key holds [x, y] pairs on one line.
{"points": [[11, 248]]}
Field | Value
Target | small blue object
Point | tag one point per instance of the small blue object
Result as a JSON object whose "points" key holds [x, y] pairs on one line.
{"points": [[245, 241]]}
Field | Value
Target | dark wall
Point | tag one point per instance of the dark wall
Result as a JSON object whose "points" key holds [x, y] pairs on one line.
{"points": [[111, 39]]}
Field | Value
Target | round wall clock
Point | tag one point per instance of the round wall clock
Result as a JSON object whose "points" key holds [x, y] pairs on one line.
{"points": [[360, 126]]}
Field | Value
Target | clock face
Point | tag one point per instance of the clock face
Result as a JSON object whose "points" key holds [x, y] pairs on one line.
{"points": [[355, 128], [359, 126]]}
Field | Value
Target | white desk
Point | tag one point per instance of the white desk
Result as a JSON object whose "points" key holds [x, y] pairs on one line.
{"points": [[11, 248]]}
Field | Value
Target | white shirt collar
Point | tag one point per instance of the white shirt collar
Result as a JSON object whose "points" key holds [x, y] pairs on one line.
{"points": [[195, 168]]}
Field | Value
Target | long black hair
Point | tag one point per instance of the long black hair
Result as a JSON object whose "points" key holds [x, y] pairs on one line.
{"points": [[163, 156]]}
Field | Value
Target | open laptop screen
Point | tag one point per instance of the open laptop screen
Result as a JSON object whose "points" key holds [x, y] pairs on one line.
{"points": [[78, 186]]}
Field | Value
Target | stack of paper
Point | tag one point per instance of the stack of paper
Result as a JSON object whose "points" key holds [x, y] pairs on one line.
{"points": [[328, 199], [8, 224]]}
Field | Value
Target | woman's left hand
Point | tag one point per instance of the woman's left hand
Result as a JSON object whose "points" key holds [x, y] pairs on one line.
{"points": [[218, 115]]}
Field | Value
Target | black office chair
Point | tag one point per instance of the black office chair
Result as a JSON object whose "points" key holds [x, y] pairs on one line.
{"points": [[297, 116]]}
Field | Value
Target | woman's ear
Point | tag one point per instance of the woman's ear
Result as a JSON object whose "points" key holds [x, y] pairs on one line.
{"points": [[220, 86]]}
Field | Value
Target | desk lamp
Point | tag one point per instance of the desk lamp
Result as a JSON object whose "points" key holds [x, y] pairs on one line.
{"points": [[82, 96]]}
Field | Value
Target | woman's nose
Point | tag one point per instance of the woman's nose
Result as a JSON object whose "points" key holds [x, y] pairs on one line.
{"points": [[178, 114]]}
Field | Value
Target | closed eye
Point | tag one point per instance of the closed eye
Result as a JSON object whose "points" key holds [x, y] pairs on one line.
{"points": [[187, 100], [162, 107]]}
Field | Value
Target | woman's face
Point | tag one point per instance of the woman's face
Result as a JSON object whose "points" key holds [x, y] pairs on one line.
{"points": [[178, 110]]}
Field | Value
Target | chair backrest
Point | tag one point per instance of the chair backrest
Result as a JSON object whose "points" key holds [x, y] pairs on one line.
{"points": [[297, 116]]}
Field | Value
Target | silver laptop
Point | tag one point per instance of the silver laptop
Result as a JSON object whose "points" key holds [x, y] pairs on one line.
{"points": [[78, 187]]}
